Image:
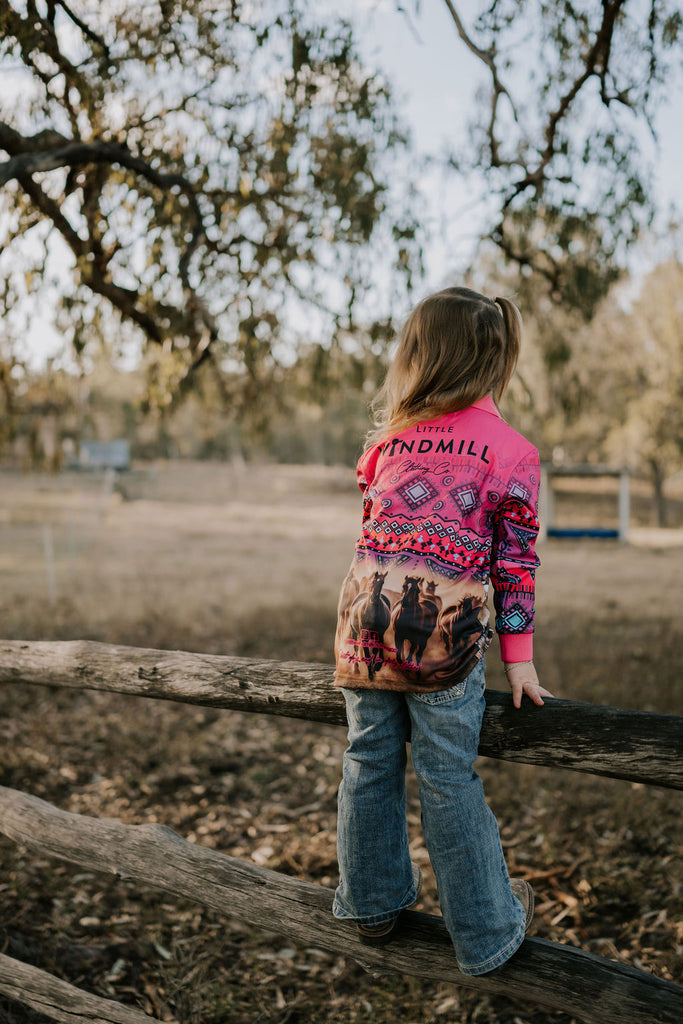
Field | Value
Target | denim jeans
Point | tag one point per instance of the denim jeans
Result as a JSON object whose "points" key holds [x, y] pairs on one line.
{"points": [[485, 920]]}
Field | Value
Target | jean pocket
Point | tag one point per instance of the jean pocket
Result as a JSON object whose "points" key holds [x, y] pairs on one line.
{"points": [[475, 677], [455, 692]]}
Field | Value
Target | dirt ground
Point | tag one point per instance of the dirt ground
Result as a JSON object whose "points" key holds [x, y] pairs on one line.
{"points": [[248, 560]]}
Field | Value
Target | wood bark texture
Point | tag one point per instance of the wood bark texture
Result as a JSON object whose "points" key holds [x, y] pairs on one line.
{"points": [[59, 1000], [548, 974], [635, 745]]}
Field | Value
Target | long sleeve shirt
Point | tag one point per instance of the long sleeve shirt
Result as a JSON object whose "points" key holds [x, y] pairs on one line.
{"points": [[448, 505]]}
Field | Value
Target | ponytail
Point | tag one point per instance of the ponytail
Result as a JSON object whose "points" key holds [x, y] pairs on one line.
{"points": [[512, 319]]}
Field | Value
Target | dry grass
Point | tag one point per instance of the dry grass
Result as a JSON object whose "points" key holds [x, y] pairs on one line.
{"points": [[222, 559]]}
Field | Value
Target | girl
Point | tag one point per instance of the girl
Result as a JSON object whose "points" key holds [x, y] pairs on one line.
{"points": [[450, 498]]}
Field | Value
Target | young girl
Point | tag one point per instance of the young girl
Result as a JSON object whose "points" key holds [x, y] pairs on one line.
{"points": [[450, 499]]}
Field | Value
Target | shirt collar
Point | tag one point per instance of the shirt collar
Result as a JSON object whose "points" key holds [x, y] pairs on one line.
{"points": [[486, 404]]}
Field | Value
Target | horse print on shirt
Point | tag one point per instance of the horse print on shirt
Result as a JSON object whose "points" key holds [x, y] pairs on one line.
{"points": [[396, 631], [413, 618], [368, 622]]}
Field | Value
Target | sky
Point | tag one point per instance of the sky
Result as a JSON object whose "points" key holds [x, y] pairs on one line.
{"points": [[434, 79]]}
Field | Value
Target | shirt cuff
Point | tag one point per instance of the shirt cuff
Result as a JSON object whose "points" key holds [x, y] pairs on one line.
{"points": [[516, 646]]}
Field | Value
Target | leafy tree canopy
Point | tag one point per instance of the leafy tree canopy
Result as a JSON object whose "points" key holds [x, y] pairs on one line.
{"points": [[216, 172], [561, 132], [630, 368], [224, 176]]}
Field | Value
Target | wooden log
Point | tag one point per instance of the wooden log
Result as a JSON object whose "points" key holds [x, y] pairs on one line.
{"points": [[557, 977], [60, 1000], [635, 745]]}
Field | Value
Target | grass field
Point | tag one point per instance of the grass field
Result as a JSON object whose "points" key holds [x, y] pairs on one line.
{"points": [[248, 560]]}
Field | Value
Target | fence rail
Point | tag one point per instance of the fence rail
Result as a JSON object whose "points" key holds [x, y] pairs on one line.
{"points": [[59, 1000], [608, 741], [638, 746], [554, 976]]}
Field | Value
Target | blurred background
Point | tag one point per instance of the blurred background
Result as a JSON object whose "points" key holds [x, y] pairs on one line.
{"points": [[213, 220]]}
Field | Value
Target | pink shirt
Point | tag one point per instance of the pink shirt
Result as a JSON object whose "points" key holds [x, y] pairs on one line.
{"points": [[449, 504]]}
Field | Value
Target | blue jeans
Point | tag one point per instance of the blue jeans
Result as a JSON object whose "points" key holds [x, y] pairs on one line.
{"points": [[485, 921]]}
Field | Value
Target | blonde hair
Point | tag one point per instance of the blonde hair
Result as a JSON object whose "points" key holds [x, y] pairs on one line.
{"points": [[456, 347]]}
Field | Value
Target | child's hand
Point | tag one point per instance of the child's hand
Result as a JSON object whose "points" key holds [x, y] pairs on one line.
{"points": [[523, 680]]}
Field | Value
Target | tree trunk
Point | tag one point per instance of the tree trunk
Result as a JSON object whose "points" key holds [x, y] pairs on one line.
{"points": [[658, 489]]}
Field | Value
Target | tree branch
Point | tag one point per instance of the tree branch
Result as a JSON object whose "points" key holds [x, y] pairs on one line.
{"points": [[486, 56], [595, 63], [124, 299], [45, 29], [52, 210], [31, 158], [28, 157]]}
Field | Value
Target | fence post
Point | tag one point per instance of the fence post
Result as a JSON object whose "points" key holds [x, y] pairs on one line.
{"points": [[624, 506], [49, 552], [545, 504]]}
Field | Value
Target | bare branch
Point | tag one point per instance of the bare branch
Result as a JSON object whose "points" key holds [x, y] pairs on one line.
{"points": [[31, 159], [596, 62], [59, 1000], [487, 56]]}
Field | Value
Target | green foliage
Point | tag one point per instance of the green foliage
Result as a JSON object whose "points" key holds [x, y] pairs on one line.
{"points": [[633, 371], [212, 180], [563, 139], [610, 390]]}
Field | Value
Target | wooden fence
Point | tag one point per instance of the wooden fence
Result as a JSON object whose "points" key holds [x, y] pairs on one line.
{"points": [[638, 746]]}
